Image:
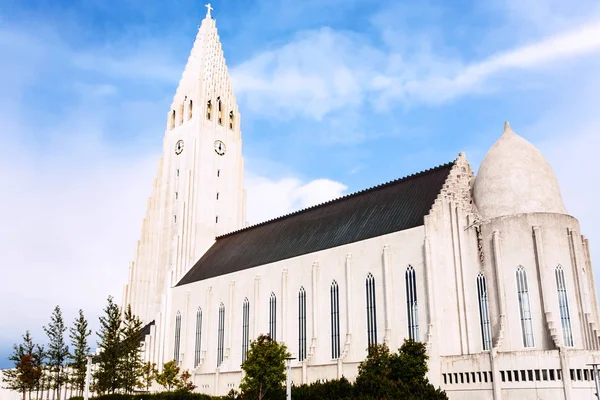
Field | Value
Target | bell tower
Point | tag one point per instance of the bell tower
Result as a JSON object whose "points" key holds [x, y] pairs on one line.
{"points": [[198, 192]]}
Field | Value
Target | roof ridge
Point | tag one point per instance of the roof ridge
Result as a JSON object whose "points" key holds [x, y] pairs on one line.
{"points": [[337, 199]]}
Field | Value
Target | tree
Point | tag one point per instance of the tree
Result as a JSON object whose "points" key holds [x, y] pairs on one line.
{"points": [[107, 375], [185, 382], [374, 375], [79, 334], [40, 355], [264, 369], [168, 377], [58, 351], [25, 375], [397, 376], [131, 366], [148, 375]]}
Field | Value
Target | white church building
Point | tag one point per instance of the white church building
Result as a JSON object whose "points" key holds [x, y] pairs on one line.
{"points": [[488, 270]]}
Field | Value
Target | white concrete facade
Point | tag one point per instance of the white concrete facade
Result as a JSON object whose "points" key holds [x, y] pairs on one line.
{"points": [[507, 227]]}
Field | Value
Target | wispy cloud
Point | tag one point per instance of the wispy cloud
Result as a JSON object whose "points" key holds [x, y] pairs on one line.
{"points": [[324, 71]]}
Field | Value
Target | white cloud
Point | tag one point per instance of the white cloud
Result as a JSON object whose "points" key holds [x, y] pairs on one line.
{"points": [[324, 71], [268, 198]]}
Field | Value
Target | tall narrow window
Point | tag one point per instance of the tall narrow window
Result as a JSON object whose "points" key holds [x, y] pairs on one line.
{"points": [[190, 109], [524, 307], [411, 304], [177, 342], [208, 109], [181, 108], [230, 119], [245, 328], [197, 345], [301, 325], [335, 320], [484, 312], [172, 120], [221, 334], [220, 112], [371, 311], [273, 316], [563, 305]]}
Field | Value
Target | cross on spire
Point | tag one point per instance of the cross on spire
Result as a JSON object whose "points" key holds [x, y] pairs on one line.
{"points": [[208, 10]]}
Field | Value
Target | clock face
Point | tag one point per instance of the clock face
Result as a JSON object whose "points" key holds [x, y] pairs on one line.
{"points": [[179, 147], [219, 147]]}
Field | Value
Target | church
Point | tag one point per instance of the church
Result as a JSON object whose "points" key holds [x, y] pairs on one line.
{"points": [[489, 270]]}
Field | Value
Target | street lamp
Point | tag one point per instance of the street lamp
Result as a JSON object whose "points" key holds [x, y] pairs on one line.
{"points": [[595, 366], [288, 381], [88, 375]]}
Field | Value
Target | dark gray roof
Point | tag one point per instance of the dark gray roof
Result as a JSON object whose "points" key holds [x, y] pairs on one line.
{"points": [[383, 209]]}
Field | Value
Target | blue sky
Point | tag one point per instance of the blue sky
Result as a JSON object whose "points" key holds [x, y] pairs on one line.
{"points": [[335, 96]]}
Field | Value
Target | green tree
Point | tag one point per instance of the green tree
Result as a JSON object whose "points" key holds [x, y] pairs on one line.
{"points": [[148, 375], [40, 355], [374, 375], [168, 378], [384, 375], [131, 365], [107, 374], [25, 375], [264, 369], [58, 351], [79, 334]]}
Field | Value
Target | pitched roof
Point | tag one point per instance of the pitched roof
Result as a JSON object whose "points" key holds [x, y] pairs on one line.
{"points": [[391, 207]]}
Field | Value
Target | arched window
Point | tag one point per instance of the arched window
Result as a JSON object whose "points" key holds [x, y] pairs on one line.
{"points": [[221, 334], [230, 119], [371, 311], [190, 109], [563, 305], [197, 348], [484, 312], [335, 320], [411, 304], [177, 342], [301, 325], [524, 307], [273, 316], [219, 109], [245, 328], [208, 109]]}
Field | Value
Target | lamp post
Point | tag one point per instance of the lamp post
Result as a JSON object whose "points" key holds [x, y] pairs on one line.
{"points": [[595, 366], [288, 380], [88, 375]]}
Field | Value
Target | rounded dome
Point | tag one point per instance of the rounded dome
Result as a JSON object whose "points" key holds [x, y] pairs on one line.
{"points": [[515, 178]]}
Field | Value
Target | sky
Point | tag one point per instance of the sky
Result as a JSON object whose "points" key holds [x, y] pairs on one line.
{"points": [[335, 96]]}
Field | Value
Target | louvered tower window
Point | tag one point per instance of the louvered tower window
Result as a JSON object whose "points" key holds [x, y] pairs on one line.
{"points": [[177, 342], [208, 110], [411, 304], [563, 305], [302, 324], [524, 307], [245, 328], [273, 316], [221, 334], [335, 320], [198, 343], [219, 110], [484, 312], [371, 311]]}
